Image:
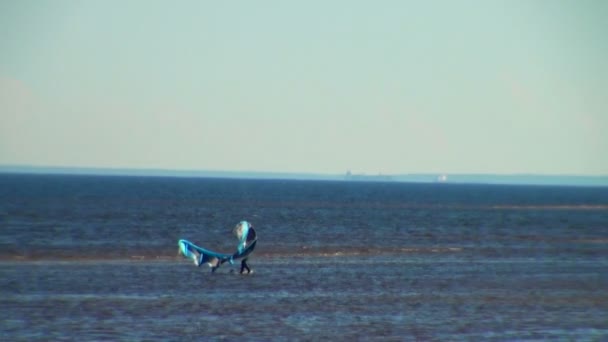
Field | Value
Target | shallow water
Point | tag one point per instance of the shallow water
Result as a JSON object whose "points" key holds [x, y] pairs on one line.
{"points": [[444, 297], [94, 258]]}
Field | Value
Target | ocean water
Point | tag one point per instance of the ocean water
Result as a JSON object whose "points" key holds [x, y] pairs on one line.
{"points": [[95, 258]]}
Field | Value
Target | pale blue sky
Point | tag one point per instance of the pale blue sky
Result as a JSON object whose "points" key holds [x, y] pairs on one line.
{"points": [[392, 87]]}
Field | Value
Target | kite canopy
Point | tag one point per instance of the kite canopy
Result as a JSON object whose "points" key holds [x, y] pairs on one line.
{"points": [[247, 240], [245, 233]]}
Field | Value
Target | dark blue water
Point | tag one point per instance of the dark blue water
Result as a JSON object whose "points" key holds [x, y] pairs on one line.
{"points": [[93, 257]]}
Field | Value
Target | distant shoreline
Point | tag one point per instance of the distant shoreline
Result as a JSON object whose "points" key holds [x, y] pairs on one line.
{"points": [[504, 179]]}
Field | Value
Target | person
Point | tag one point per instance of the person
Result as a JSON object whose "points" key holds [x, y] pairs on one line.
{"points": [[247, 238]]}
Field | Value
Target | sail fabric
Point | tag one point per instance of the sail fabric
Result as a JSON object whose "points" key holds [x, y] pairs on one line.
{"points": [[241, 230]]}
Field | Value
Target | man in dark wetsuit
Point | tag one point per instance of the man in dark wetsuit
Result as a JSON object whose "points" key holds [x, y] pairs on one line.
{"points": [[251, 237], [247, 239]]}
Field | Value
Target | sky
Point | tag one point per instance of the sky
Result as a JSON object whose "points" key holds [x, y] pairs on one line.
{"points": [[374, 87]]}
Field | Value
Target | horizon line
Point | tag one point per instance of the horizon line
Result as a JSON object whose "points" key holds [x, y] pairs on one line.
{"points": [[438, 178]]}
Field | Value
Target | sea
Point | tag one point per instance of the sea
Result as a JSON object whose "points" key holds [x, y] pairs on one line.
{"points": [[94, 258]]}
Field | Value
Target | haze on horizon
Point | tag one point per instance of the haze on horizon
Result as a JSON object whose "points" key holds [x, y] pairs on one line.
{"points": [[389, 87]]}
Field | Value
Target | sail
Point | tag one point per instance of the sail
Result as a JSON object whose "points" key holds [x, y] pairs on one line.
{"points": [[247, 240], [241, 230]]}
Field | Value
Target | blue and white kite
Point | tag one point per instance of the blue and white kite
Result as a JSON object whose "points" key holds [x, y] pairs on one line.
{"points": [[247, 240]]}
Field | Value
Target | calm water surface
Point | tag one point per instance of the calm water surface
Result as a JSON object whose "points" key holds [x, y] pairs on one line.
{"points": [[94, 258]]}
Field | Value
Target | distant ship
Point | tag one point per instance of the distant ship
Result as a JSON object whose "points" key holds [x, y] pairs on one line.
{"points": [[442, 178]]}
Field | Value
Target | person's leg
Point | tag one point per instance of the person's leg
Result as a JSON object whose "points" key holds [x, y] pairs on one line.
{"points": [[244, 266]]}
